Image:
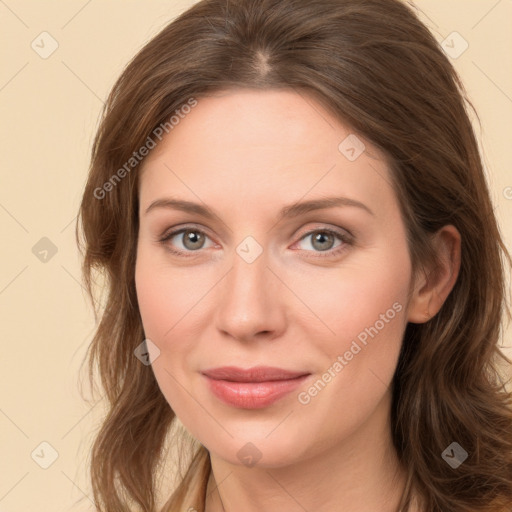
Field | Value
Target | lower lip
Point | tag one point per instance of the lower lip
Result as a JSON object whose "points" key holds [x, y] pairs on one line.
{"points": [[253, 395]]}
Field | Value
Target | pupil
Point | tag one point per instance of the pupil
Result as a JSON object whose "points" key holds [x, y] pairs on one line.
{"points": [[319, 237], [192, 237]]}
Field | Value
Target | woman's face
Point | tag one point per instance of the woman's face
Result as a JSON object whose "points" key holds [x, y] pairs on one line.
{"points": [[273, 277]]}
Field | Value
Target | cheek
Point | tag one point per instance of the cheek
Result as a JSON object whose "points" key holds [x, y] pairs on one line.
{"points": [[164, 294], [369, 295], [365, 308], [367, 313], [154, 299], [164, 299]]}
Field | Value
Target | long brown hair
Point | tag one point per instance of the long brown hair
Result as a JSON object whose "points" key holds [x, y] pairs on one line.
{"points": [[375, 65]]}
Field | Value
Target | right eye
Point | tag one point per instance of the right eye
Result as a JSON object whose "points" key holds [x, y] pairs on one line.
{"points": [[192, 240]]}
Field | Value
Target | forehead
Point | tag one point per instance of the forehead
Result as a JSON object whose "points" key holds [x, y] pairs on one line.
{"points": [[257, 144], [241, 119]]}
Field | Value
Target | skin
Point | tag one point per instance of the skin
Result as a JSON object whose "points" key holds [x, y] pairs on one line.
{"points": [[246, 154]]}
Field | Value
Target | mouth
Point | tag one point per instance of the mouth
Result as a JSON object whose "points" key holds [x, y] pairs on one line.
{"points": [[252, 388]]}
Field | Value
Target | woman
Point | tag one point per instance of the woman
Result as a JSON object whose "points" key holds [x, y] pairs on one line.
{"points": [[303, 268]]}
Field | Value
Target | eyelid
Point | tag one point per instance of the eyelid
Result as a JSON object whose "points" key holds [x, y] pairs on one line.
{"points": [[339, 231]]}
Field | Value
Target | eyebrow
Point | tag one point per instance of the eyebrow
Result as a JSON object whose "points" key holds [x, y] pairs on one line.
{"points": [[290, 211]]}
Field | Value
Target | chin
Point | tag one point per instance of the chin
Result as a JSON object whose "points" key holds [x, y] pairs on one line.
{"points": [[255, 446]]}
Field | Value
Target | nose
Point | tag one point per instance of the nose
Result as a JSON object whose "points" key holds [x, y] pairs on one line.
{"points": [[251, 302]]}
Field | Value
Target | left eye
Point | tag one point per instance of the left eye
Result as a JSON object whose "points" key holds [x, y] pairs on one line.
{"points": [[322, 240]]}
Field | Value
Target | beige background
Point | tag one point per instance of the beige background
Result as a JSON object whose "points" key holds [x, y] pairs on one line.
{"points": [[49, 110]]}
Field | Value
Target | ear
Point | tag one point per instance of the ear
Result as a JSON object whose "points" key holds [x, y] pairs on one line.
{"points": [[433, 285]]}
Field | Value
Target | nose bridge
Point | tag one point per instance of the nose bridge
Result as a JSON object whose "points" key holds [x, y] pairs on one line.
{"points": [[249, 301], [247, 285]]}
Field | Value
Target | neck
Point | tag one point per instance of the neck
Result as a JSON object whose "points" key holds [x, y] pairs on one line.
{"points": [[360, 474]]}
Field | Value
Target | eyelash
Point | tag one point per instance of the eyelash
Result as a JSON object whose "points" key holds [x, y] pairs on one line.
{"points": [[346, 239]]}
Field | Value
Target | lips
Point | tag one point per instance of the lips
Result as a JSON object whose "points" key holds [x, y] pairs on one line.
{"points": [[252, 388], [256, 374]]}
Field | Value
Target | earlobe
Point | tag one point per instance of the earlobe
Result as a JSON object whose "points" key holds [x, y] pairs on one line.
{"points": [[433, 285]]}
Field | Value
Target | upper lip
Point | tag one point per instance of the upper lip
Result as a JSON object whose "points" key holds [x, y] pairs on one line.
{"points": [[255, 374]]}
